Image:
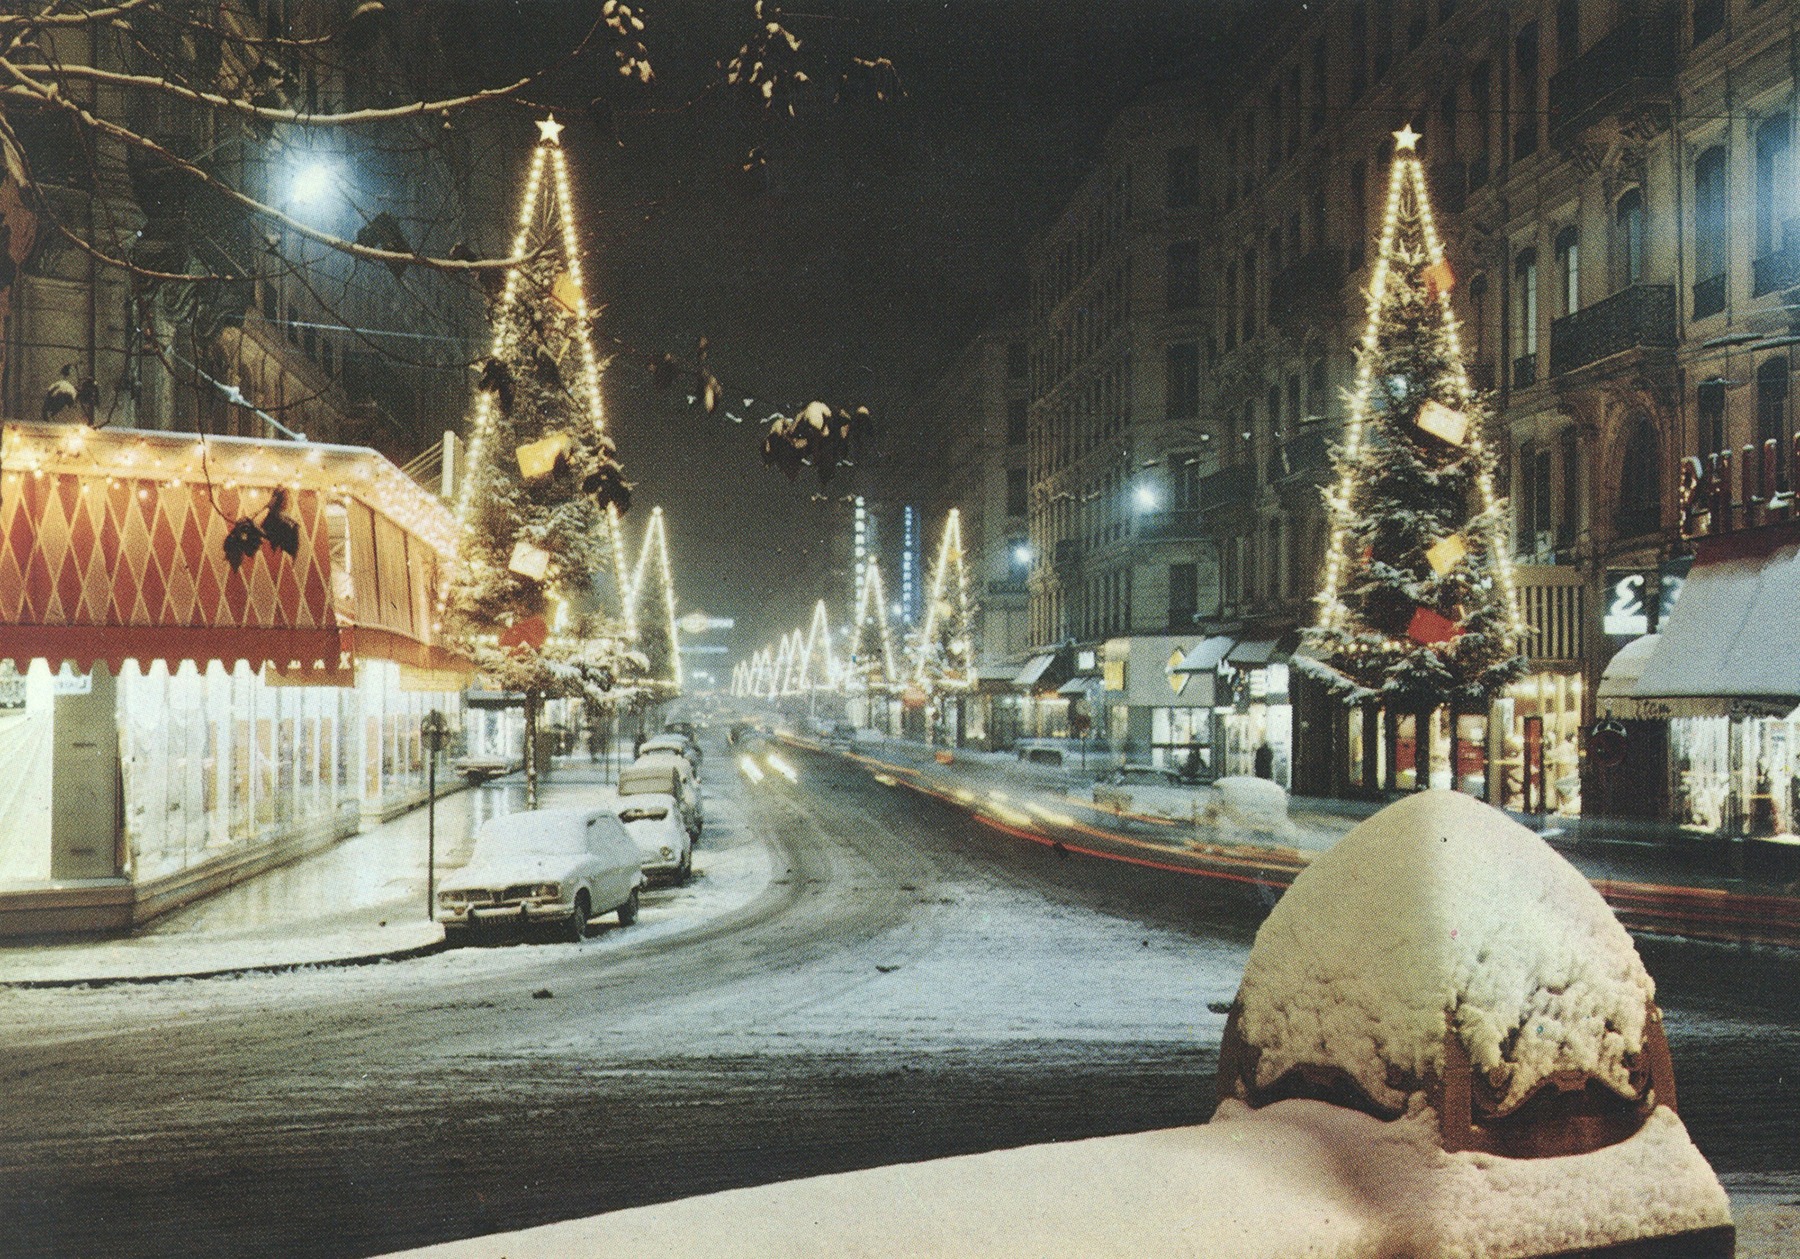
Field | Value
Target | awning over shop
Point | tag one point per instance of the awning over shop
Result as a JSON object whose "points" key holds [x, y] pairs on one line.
{"points": [[1251, 653], [1614, 696], [1085, 685], [1206, 656], [1033, 670], [112, 548], [1727, 647], [994, 679]]}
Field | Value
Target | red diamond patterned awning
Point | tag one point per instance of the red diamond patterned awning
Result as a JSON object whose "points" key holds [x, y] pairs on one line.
{"points": [[112, 547]]}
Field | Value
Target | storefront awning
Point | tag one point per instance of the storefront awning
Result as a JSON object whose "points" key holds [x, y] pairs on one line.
{"points": [[1086, 684], [1033, 670], [1207, 656], [112, 548], [994, 679], [1251, 653], [1727, 648], [1618, 681]]}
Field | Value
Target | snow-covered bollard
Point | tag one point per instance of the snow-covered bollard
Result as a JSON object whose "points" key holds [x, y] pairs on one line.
{"points": [[1250, 806], [1442, 965]]}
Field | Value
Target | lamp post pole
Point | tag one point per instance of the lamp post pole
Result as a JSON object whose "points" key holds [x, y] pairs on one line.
{"points": [[434, 733]]}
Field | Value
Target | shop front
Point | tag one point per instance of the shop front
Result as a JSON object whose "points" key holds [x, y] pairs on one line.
{"points": [[1724, 675], [171, 721]]}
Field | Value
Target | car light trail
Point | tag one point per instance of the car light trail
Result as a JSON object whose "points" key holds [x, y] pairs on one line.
{"points": [[780, 765], [887, 780], [751, 769], [1051, 815]]}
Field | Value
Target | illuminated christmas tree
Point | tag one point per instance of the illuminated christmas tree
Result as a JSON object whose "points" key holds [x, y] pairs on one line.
{"points": [[944, 643], [1418, 607], [541, 479]]}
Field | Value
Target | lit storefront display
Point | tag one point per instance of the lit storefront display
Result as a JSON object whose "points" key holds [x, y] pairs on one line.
{"points": [[168, 719], [1724, 675]]}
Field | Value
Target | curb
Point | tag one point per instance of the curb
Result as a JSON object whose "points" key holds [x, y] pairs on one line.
{"points": [[228, 972]]}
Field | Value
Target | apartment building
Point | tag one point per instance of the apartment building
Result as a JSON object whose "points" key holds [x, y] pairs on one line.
{"points": [[1614, 183]]}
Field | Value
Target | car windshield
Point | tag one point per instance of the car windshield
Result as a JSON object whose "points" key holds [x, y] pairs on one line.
{"points": [[644, 814], [662, 783]]}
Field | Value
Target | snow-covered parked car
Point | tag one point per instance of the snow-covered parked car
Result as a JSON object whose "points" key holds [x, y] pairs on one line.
{"points": [[1251, 806], [478, 769], [655, 824], [555, 867], [665, 774], [678, 744]]}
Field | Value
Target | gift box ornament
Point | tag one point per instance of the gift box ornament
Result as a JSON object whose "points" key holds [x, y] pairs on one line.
{"points": [[529, 561], [1444, 423], [540, 459]]}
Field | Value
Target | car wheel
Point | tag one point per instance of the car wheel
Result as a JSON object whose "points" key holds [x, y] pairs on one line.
{"points": [[628, 912], [686, 870], [576, 928], [455, 936]]}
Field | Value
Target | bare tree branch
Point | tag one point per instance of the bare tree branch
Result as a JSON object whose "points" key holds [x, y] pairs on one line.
{"points": [[244, 108]]}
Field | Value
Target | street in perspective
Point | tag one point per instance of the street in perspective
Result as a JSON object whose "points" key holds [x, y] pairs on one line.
{"points": [[895, 630]]}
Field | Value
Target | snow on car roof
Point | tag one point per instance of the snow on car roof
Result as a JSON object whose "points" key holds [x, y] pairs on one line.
{"points": [[530, 825], [1442, 911]]}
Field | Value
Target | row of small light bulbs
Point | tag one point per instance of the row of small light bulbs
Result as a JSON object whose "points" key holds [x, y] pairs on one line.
{"points": [[79, 450], [1407, 167]]}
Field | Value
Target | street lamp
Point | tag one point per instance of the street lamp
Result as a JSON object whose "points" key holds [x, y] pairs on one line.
{"points": [[434, 733]]}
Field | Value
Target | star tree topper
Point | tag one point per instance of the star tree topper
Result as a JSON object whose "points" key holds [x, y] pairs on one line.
{"points": [[550, 131]]}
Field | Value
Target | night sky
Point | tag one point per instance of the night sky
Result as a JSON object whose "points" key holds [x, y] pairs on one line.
{"points": [[852, 267]]}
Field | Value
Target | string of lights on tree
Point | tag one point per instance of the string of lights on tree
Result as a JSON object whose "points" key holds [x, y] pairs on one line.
{"points": [[937, 657], [1418, 603]]}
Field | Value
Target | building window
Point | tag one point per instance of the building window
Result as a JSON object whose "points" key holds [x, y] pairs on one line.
{"points": [[1709, 232], [1629, 237], [1447, 124], [1182, 191], [1525, 314], [1568, 270], [1318, 392], [1478, 316], [1249, 293], [1181, 393], [1640, 482], [1772, 199], [1709, 412], [1016, 425], [1183, 278], [1359, 49], [1568, 517], [1319, 62], [1384, 38], [1184, 594], [1016, 360], [1359, 213], [1525, 111], [1184, 480], [1016, 500], [1772, 402], [1709, 18], [1294, 413], [1480, 108], [1230, 309], [1534, 499], [1568, 32]]}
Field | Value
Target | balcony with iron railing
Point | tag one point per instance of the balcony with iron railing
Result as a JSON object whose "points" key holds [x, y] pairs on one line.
{"points": [[1181, 524], [1067, 553], [1630, 71], [1641, 316], [1228, 487], [1780, 268]]}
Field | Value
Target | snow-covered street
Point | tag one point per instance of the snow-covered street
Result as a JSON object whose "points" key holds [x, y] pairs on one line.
{"points": [[859, 977]]}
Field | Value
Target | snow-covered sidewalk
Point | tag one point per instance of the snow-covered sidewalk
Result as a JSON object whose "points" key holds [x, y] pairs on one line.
{"points": [[359, 901]]}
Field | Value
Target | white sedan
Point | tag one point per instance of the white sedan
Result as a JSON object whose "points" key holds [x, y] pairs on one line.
{"points": [[655, 823], [559, 867]]}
